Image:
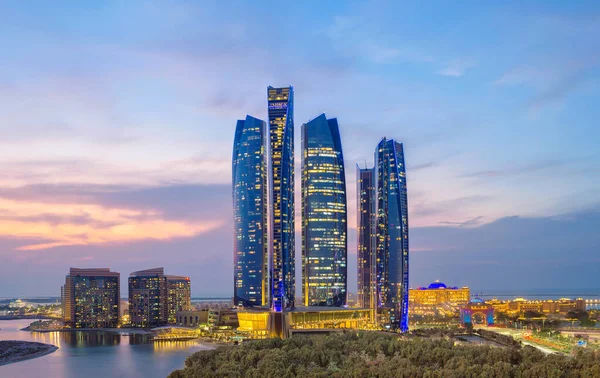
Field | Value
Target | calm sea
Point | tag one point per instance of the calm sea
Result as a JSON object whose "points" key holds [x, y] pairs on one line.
{"points": [[591, 295], [96, 354]]}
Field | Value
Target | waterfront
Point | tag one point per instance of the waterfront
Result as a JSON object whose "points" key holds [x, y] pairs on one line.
{"points": [[96, 354]]}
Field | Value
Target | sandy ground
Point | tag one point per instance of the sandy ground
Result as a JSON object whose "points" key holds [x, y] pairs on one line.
{"points": [[15, 351]]}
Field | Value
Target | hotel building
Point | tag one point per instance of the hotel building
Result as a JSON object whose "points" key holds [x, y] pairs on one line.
{"points": [[366, 217], [250, 243], [179, 296], [438, 293], [90, 298], [281, 161], [392, 235], [324, 215], [155, 298]]}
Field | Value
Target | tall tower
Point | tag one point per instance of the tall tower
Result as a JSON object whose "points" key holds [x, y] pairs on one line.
{"points": [[367, 220], [281, 138], [250, 245], [324, 215], [392, 234]]}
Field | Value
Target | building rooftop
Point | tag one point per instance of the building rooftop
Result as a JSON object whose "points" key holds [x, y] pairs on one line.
{"points": [[437, 285]]}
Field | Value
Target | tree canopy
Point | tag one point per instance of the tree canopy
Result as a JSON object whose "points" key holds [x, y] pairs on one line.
{"points": [[372, 354]]}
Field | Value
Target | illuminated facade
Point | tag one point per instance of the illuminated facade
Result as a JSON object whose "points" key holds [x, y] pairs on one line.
{"points": [[90, 298], [312, 319], [392, 234], [250, 247], [281, 139], [179, 296], [324, 216], [147, 294], [438, 293], [366, 218], [549, 306], [477, 312], [155, 298]]}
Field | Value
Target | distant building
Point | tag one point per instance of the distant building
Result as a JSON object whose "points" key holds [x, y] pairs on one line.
{"points": [[155, 298], [90, 298], [438, 293], [324, 215], [366, 217], [550, 306], [281, 163], [477, 311], [392, 235], [250, 242]]}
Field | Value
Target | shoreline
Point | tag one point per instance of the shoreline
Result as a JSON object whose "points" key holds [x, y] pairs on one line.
{"points": [[23, 355]]}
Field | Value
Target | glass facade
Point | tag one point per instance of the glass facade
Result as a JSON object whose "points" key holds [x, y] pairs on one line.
{"points": [[392, 233], [281, 160], [90, 298], [366, 218], [250, 247], [147, 298], [324, 216]]}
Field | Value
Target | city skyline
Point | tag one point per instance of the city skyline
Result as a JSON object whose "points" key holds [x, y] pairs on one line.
{"points": [[116, 135]]}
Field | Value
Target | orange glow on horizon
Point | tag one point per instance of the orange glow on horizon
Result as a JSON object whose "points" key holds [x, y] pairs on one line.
{"points": [[86, 224]]}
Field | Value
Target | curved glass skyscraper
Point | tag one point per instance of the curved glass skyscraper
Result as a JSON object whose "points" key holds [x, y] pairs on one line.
{"points": [[250, 245], [366, 220], [392, 233], [324, 216], [281, 137]]}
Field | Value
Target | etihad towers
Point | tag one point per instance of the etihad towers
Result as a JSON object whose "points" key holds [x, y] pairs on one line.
{"points": [[250, 243], [281, 177], [324, 215], [391, 266], [366, 205]]}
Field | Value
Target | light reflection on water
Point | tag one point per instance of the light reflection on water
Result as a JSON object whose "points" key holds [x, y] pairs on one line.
{"points": [[95, 354]]}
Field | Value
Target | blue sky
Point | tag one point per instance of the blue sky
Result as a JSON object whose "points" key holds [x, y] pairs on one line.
{"points": [[118, 122]]}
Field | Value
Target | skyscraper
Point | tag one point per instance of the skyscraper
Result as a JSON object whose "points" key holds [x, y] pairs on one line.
{"points": [[250, 253], [366, 218], [281, 139], [90, 298], [324, 216], [147, 298], [392, 234]]}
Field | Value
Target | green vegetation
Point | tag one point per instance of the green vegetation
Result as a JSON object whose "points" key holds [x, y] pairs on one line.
{"points": [[371, 354]]}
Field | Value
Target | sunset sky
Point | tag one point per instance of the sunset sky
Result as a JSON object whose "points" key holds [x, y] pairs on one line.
{"points": [[117, 123]]}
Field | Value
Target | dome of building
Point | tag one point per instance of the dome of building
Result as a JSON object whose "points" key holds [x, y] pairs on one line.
{"points": [[437, 285]]}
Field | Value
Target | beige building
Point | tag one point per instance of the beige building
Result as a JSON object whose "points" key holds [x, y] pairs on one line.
{"points": [[437, 293]]}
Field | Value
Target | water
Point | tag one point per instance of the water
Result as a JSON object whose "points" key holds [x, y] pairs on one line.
{"points": [[96, 354]]}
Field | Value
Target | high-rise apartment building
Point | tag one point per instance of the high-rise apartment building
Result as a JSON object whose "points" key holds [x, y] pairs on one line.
{"points": [[366, 204], [155, 298], [90, 298], [392, 234], [179, 296], [147, 294], [324, 215], [281, 165], [250, 245]]}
